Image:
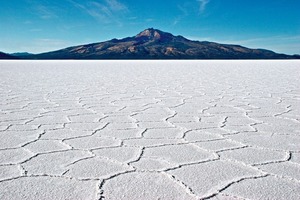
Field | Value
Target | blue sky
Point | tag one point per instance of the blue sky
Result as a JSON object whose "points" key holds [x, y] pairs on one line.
{"points": [[45, 25]]}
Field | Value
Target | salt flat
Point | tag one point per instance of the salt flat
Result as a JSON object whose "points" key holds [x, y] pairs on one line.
{"points": [[149, 130]]}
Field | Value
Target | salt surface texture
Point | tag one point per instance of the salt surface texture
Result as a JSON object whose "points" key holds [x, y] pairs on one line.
{"points": [[149, 130]]}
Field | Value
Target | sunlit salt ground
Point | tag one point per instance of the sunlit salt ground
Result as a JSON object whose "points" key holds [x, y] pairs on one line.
{"points": [[149, 130]]}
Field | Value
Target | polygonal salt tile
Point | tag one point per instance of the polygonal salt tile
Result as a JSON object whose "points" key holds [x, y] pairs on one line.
{"points": [[278, 142], [220, 131], [201, 135], [105, 109], [277, 128], [13, 139], [223, 110], [96, 168], [93, 142], [51, 126], [54, 163], [170, 101], [195, 125], [9, 172], [240, 121], [79, 111], [218, 145], [295, 158], [263, 113], [287, 169], [158, 111], [156, 124], [16, 118], [144, 186], [50, 119], [118, 119], [179, 154], [279, 121], [23, 127], [37, 188], [60, 134], [120, 126], [86, 126], [121, 154], [148, 142], [265, 188], [164, 133], [213, 119], [142, 101], [254, 155], [213, 176], [46, 146], [188, 109], [151, 164], [245, 128], [14, 156], [128, 110], [183, 118], [121, 134], [85, 118]]}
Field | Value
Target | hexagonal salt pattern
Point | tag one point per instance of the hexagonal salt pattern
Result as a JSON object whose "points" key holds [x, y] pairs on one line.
{"points": [[149, 130]]}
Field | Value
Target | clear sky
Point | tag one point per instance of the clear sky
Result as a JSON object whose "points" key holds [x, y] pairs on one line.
{"points": [[44, 25]]}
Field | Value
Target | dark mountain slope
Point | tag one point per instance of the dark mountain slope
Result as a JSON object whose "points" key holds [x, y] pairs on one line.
{"points": [[6, 56], [155, 44]]}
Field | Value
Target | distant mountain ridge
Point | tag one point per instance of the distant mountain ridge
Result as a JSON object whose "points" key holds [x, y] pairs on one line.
{"points": [[21, 54], [6, 56], [156, 44]]}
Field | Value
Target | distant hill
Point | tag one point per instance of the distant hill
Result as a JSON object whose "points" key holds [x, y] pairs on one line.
{"points": [[21, 54], [155, 44], [6, 56]]}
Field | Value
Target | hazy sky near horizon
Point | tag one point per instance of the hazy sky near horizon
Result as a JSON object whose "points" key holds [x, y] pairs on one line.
{"points": [[44, 25]]}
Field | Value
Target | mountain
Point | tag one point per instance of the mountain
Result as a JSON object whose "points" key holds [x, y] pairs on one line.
{"points": [[21, 54], [6, 56], [155, 44]]}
